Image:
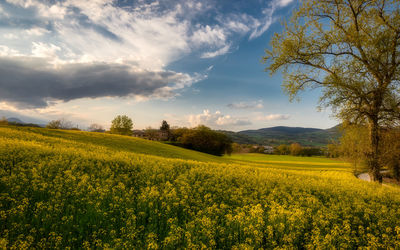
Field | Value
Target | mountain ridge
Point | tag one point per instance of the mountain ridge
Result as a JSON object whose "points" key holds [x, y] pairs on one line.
{"points": [[286, 135]]}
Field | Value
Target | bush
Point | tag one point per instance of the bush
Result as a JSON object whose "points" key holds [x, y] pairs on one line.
{"points": [[311, 151], [205, 140]]}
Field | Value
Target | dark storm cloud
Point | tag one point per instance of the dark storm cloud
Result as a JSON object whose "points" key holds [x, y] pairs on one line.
{"points": [[31, 83]]}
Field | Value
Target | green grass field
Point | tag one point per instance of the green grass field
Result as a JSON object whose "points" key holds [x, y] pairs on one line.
{"points": [[87, 190], [291, 162]]}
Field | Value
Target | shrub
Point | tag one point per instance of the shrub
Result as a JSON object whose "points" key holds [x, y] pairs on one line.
{"points": [[205, 140]]}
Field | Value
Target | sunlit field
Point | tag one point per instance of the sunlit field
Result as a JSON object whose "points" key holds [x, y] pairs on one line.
{"points": [[291, 162], [87, 190]]}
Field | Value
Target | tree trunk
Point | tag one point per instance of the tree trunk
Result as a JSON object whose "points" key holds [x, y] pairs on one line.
{"points": [[373, 155]]}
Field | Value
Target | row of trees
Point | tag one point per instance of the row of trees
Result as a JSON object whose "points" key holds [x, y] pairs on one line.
{"points": [[61, 124], [200, 138], [296, 149], [121, 124]]}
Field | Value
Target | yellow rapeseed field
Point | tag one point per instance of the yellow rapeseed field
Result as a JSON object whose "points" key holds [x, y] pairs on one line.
{"points": [[68, 189]]}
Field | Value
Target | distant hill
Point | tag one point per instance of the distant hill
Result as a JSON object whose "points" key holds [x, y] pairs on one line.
{"points": [[15, 120], [286, 135], [10, 116], [19, 122]]}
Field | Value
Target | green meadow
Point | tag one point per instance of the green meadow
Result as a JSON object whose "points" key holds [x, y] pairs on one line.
{"points": [[72, 189]]}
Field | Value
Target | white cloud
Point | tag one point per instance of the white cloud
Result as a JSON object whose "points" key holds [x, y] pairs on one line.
{"points": [[216, 119], [37, 31], [8, 52], [264, 24], [218, 52], [22, 3], [283, 3], [142, 37], [272, 117], [10, 36], [247, 105], [209, 35], [210, 68], [45, 50], [236, 26], [145, 34]]}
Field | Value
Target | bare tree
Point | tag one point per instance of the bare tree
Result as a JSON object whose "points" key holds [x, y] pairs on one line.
{"points": [[94, 127]]}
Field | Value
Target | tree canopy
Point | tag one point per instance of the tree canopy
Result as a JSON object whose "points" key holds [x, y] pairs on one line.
{"points": [[122, 125], [351, 49], [164, 126], [205, 140]]}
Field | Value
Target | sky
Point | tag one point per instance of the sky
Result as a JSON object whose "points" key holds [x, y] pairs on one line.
{"points": [[188, 62]]}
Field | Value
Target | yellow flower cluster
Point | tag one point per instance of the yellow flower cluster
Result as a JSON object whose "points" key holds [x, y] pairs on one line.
{"points": [[60, 192]]}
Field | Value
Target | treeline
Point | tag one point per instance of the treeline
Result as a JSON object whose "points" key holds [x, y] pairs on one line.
{"points": [[294, 149], [200, 138]]}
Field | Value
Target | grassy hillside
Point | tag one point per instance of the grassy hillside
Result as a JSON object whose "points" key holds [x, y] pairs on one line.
{"points": [[291, 162], [87, 190], [108, 142]]}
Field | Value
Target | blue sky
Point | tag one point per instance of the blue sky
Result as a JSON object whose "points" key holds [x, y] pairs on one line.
{"points": [[188, 62]]}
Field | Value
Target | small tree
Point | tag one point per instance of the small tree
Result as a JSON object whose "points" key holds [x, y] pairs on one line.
{"points": [[3, 121], [121, 125], [295, 149], [354, 144], [54, 124], [165, 131], [164, 126], [282, 149]]}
